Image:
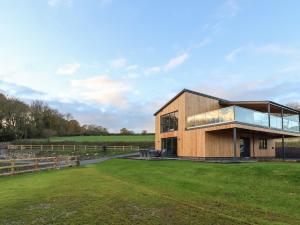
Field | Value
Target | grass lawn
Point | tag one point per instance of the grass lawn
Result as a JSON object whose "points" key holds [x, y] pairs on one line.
{"points": [[155, 192], [104, 138]]}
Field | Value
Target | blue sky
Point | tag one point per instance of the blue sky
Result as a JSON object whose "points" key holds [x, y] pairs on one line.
{"points": [[115, 62]]}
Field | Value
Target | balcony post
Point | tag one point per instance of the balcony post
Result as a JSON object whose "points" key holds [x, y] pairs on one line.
{"points": [[269, 114], [282, 118], [234, 142], [299, 122], [283, 147]]}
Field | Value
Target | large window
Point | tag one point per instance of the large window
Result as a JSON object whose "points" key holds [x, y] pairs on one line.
{"points": [[263, 143], [169, 122]]}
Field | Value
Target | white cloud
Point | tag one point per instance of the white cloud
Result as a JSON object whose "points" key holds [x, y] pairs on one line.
{"points": [[275, 49], [177, 61], [54, 3], [118, 63], [152, 70], [102, 90], [68, 69], [132, 67], [131, 76], [271, 49], [230, 57]]}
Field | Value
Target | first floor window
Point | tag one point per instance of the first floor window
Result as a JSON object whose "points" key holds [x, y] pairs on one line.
{"points": [[169, 122], [263, 143]]}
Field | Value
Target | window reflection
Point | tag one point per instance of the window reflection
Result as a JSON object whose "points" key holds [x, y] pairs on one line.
{"points": [[244, 115], [169, 122]]}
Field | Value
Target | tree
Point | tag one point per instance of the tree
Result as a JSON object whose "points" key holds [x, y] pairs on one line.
{"points": [[294, 105], [19, 120], [144, 131], [125, 131]]}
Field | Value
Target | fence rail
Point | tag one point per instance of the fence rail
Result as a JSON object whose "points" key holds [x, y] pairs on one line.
{"points": [[25, 165], [70, 147]]}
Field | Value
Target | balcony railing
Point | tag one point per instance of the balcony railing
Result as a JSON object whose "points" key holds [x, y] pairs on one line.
{"points": [[239, 114]]}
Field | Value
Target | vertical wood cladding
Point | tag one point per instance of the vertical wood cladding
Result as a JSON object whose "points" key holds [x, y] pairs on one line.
{"points": [[212, 141]]}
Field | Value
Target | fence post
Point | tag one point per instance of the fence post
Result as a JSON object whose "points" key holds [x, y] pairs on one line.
{"points": [[85, 148], [12, 166], [74, 147], [41, 147], [30, 147], [131, 147], [56, 162], [123, 148], [36, 164], [52, 147]]}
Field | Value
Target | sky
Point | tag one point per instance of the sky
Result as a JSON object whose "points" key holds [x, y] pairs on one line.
{"points": [[115, 62]]}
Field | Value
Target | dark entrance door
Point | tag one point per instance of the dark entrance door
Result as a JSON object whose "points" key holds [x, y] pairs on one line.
{"points": [[245, 147], [170, 145]]}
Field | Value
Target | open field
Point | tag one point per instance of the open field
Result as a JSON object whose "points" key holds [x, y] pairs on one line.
{"points": [[98, 138], [155, 192]]}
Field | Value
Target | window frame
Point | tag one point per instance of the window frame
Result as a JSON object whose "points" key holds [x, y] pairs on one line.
{"points": [[263, 144], [169, 122]]}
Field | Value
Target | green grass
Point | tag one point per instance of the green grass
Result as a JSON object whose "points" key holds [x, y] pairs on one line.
{"points": [[155, 192], [104, 138]]}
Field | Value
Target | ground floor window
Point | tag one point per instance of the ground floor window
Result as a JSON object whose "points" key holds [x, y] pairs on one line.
{"points": [[263, 143]]}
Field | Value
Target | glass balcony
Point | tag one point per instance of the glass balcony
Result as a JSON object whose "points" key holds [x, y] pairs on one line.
{"points": [[243, 115]]}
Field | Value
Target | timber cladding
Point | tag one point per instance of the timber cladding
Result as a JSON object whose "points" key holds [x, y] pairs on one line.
{"points": [[215, 140]]}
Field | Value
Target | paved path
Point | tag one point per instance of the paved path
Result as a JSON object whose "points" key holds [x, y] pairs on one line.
{"points": [[92, 161]]}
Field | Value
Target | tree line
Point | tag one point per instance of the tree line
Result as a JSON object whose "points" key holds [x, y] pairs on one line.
{"points": [[19, 120]]}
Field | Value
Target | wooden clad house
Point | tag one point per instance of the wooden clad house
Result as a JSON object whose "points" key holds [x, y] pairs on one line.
{"points": [[197, 125]]}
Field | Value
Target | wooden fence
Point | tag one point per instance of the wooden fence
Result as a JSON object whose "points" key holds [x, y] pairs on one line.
{"points": [[18, 166], [72, 147]]}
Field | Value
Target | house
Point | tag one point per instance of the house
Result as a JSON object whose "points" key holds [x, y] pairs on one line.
{"points": [[196, 125]]}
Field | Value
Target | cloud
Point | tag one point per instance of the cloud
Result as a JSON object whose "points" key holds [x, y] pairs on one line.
{"points": [[273, 88], [68, 69], [270, 49], [101, 90], [275, 49], [152, 70], [132, 67], [118, 63], [177, 61], [230, 57], [16, 90], [55, 3]]}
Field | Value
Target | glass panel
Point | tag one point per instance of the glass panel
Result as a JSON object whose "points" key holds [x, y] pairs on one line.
{"points": [[215, 116], [226, 114], [190, 121], [251, 116], [212, 117], [236, 113], [276, 122], [200, 119], [169, 122], [291, 122]]}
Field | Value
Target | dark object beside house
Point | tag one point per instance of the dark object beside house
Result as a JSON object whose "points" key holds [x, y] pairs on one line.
{"points": [[149, 153], [289, 152]]}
